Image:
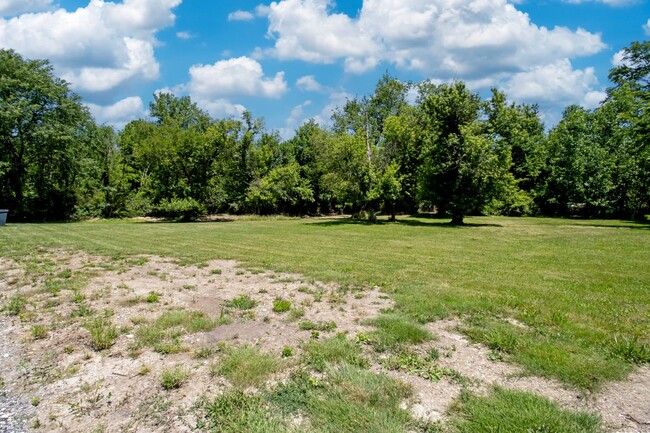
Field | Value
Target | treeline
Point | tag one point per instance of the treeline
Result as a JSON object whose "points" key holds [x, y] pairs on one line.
{"points": [[448, 151]]}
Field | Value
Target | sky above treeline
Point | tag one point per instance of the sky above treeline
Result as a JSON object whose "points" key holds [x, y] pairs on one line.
{"points": [[291, 60]]}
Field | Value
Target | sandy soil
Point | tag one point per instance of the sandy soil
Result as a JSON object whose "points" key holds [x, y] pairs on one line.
{"points": [[73, 388]]}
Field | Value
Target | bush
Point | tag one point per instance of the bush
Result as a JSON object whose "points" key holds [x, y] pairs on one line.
{"points": [[180, 209]]}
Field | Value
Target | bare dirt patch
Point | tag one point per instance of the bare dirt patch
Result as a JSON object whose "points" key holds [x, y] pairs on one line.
{"points": [[57, 381]]}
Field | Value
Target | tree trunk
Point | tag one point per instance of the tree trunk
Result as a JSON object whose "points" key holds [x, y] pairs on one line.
{"points": [[373, 216], [457, 220]]}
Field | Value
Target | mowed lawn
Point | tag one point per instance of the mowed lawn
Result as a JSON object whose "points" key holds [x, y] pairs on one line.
{"points": [[578, 290]]}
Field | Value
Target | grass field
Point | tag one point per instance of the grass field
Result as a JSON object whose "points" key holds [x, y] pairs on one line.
{"points": [[578, 291]]}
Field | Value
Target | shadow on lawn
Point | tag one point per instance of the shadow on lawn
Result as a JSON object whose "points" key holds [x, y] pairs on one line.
{"points": [[432, 223]]}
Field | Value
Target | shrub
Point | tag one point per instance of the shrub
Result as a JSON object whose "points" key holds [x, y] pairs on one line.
{"points": [[183, 209]]}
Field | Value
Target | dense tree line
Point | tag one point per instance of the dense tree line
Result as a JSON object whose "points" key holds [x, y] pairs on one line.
{"points": [[448, 151]]}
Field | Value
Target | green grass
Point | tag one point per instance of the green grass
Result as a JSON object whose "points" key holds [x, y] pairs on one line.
{"points": [[163, 335], [242, 302], [346, 399], [579, 286], [334, 350], [506, 411], [246, 366], [394, 330], [102, 332], [281, 306], [173, 378]]}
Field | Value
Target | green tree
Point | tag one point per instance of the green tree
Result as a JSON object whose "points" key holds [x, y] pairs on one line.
{"points": [[462, 169], [43, 132]]}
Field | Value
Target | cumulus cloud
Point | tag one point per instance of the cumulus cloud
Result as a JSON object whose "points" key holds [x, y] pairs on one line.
{"points": [[295, 119], [15, 7], [607, 2], [646, 27], [555, 84], [120, 113], [308, 83], [240, 76], [457, 39], [97, 48], [241, 16]]}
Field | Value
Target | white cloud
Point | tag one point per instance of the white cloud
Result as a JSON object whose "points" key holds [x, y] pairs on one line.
{"points": [[219, 108], [557, 84], [295, 119], [241, 16], [463, 39], [646, 27], [98, 47], [308, 83], [617, 58], [607, 2], [336, 100], [235, 77], [185, 35], [15, 7], [120, 113]]}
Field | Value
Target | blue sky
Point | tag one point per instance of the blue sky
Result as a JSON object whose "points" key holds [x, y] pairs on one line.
{"points": [[291, 60]]}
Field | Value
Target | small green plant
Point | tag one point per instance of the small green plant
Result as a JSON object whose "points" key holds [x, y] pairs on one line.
{"points": [[164, 334], [144, 370], [203, 353], [16, 305], [281, 306], [39, 332], [318, 326], [102, 333], [242, 302], [296, 313], [68, 349], [216, 272], [630, 349], [173, 378], [246, 366], [36, 401], [287, 352], [152, 297]]}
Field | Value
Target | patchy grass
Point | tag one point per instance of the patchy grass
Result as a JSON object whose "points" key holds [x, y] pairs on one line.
{"points": [[574, 284], [163, 334], [394, 330], [308, 325], [246, 366], [102, 332], [517, 412], [236, 412], [242, 302], [281, 306], [334, 350], [16, 305], [172, 378]]}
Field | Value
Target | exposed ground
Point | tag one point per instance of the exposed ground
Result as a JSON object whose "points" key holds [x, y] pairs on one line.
{"points": [[54, 379]]}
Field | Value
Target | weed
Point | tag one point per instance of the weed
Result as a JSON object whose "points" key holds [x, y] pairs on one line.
{"points": [[152, 297], [163, 335], [333, 350], [173, 378], [16, 305], [287, 352], [36, 401], [281, 306], [318, 326], [102, 333], [216, 272], [144, 370], [39, 332], [630, 349], [413, 364], [68, 349], [203, 353], [296, 313], [242, 302], [246, 366]]}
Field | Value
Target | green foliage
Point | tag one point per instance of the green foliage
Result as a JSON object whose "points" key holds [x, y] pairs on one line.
{"points": [[396, 329], [308, 325], [517, 412], [246, 366], [173, 378], [333, 350], [242, 302], [185, 209], [281, 305], [163, 335], [39, 332], [16, 305], [235, 412], [102, 332], [630, 349]]}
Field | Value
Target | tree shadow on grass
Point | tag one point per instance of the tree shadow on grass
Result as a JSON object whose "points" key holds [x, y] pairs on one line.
{"points": [[431, 223], [638, 225]]}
